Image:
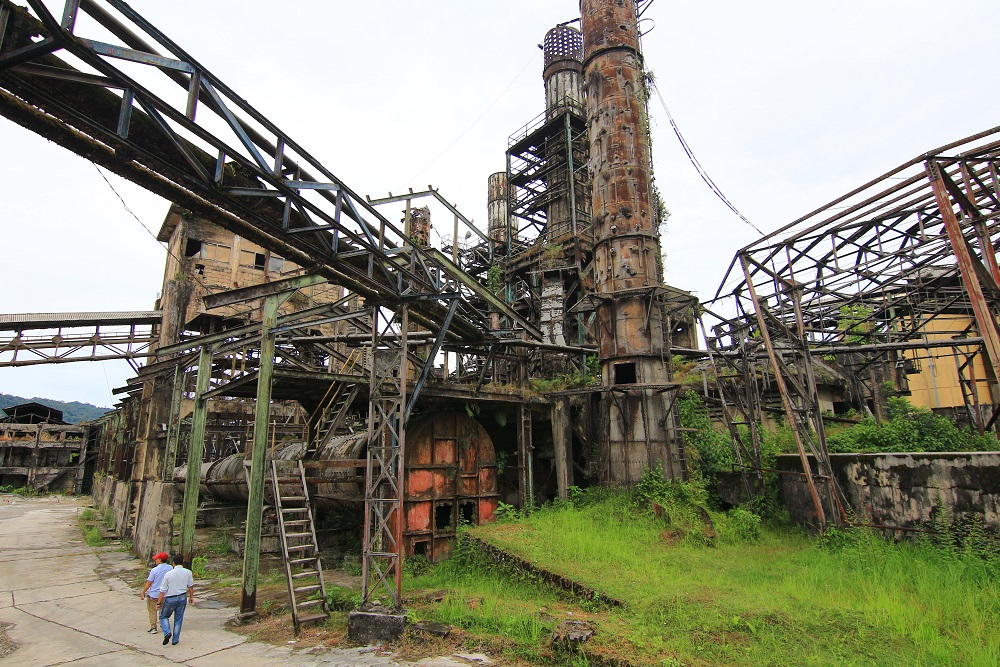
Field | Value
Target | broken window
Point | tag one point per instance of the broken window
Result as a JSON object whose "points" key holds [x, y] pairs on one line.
{"points": [[442, 516], [251, 259], [420, 548], [192, 248], [216, 252], [625, 374], [467, 512]]}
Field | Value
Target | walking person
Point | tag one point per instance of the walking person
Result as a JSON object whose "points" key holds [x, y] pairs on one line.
{"points": [[151, 590], [176, 590]]}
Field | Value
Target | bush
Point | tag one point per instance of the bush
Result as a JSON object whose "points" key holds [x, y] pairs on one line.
{"points": [[908, 428], [199, 567]]}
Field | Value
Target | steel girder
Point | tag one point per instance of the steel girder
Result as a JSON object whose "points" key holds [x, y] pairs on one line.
{"points": [[210, 151], [872, 280]]}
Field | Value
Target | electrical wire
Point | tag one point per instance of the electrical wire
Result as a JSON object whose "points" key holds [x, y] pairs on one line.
{"points": [[697, 165], [475, 122]]}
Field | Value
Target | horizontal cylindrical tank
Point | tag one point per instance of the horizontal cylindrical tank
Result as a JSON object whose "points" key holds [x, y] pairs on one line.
{"points": [[225, 480]]}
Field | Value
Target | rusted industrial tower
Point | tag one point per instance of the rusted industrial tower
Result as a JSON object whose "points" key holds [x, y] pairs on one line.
{"points": [[627, 273]]}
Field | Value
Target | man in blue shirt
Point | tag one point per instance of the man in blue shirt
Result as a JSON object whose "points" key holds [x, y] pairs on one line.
{"points": [[175, 591], [152, 588]]}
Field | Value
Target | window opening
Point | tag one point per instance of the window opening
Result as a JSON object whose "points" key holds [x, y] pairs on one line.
{"points": [[467, 512], [442, 516], [625, 374], [216, 252]]}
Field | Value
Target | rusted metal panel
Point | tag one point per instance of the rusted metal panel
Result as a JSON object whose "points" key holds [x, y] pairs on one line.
{"points": [[450, 478]]}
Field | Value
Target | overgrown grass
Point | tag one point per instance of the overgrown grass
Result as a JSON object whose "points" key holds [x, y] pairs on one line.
{"points": [[777, 598], [88, 524]]}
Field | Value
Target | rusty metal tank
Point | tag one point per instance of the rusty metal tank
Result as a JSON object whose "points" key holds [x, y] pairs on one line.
{"points": [[225, 480], [451, 479]]}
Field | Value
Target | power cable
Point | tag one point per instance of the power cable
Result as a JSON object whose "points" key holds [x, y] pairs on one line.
{"points": [[475, 122], [697, 165]]}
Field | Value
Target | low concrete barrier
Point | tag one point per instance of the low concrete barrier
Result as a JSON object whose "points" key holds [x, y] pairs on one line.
{"points": [[904, 490]]}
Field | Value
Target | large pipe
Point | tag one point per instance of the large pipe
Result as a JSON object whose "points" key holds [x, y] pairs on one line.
{"points": [[627, 268], [225, 480]]}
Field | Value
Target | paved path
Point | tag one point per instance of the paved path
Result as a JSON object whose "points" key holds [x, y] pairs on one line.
{"points": [[63, 605]]}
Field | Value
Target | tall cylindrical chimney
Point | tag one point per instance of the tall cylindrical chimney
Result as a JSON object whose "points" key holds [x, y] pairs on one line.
{"points": [[562, 52], [627, 272], [496, 207]]}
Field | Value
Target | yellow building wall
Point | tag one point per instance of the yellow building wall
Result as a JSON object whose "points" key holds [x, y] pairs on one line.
{"points": [[937, 385]]}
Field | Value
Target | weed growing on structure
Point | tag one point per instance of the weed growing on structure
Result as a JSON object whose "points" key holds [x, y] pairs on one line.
{"points": [[92, 535]]}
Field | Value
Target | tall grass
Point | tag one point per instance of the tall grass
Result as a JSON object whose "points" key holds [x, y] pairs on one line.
{"points": [[782, 598]]}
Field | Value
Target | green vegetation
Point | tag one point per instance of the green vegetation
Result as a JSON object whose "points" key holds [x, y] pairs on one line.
{"points": [[74, 412], [495, 279], [199, 567], [751, 595], [908, 429], [856, 323], [590, 376], [90, 525]]}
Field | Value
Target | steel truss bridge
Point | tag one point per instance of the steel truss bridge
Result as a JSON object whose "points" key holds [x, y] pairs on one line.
{"points": [[59, 338]]}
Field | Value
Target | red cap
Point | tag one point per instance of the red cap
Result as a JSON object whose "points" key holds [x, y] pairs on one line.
{"points": [[161, 556]]}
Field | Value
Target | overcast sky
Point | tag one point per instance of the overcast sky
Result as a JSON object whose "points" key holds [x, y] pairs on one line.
{"points": [[786, 104]]}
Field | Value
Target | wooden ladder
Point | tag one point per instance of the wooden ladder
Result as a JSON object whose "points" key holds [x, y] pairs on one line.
{"points": [[299, 549]]}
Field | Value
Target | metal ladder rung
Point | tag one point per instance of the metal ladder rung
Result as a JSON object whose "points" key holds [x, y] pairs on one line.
{"points": [[286, 550]]}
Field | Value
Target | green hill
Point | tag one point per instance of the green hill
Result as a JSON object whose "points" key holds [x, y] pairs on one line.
{"points": [[73, 412]]}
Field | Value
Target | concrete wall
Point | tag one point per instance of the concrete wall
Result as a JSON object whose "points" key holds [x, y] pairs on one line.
{"points": [[904, 490]]}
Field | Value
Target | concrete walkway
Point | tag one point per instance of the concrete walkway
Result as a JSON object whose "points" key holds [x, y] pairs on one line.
{"points": [[62, 604]]}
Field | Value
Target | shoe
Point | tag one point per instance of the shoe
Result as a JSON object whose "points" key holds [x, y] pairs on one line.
{"points": [[166, 638], [174, 643], [152, 630]]}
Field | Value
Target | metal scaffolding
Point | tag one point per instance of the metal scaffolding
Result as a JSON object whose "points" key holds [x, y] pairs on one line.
{"points": [[854, 295]]}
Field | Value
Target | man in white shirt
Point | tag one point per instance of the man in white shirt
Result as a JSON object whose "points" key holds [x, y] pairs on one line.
{"points": [[175, 592]]}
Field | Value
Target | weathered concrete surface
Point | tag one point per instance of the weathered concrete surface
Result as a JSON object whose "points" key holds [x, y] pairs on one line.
{"points": [[908, 490], [376, 625], [68, 606]]}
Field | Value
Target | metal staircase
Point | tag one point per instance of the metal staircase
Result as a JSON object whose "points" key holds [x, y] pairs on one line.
{"points": [[299, 548], [329, 417]]}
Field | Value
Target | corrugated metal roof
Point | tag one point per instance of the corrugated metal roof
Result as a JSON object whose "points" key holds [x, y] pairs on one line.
{"points": [[21, 321]]}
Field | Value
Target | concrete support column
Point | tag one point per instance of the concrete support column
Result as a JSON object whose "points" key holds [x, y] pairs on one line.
{"points": [[196, 450], [562, 443], [255, 501], [525, 472], [173, 425]]}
